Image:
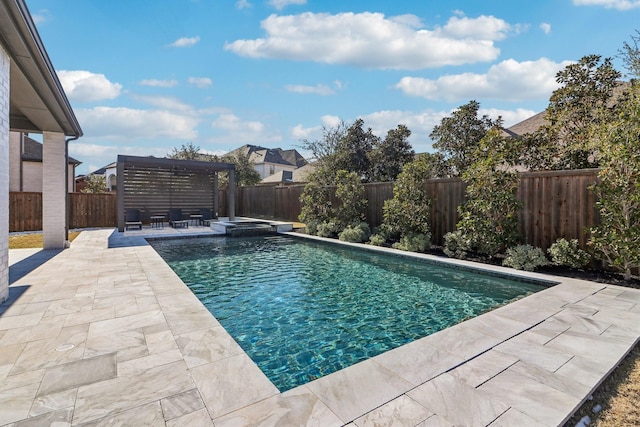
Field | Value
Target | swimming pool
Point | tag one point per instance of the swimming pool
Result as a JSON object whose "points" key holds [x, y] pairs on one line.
{"points": [[303, 309]]}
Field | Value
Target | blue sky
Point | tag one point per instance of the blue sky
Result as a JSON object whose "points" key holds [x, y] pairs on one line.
{"points": [[144, 76]]}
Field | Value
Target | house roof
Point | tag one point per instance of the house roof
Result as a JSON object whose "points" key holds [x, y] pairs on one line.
{"points": [[297, 175], [103, 169], [33, 152], [259, 155], [37, 100], [526, 126]]}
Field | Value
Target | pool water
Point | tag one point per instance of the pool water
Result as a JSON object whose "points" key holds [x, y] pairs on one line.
{"points": [[304, 309]]}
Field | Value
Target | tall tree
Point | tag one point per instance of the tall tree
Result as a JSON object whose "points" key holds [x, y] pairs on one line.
{"points": [[245, 172], [630, 55], [617, 238], [353, 150], [489, 216], [189, 151], [390, 155], [457, 136], [583, 103]]}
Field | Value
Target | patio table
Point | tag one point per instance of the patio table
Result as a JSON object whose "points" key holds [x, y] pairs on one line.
{"points": [[157, 221]]}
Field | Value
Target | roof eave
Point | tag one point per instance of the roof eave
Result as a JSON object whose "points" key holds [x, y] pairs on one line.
{"points": [[21, 40]]}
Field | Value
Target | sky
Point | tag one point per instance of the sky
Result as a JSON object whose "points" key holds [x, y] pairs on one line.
{"points": [[146, 76]]}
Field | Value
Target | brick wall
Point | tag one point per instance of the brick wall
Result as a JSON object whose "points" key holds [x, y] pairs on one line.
{"points": [[4, 174]]}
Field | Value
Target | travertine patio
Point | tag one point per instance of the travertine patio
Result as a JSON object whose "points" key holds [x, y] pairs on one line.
{"points": [[100, 335]]}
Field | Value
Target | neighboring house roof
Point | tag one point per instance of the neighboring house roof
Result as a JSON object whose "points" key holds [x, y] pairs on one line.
{"points": [[33, 152], [259, 155], [526, 126], [298, 175], [103, 169]]}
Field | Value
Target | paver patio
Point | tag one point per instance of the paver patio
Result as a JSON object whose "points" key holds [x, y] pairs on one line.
{"points": [[105, 333]]}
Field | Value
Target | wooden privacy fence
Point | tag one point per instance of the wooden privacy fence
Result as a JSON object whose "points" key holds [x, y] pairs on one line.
{"points": [[556, 204], [85, 210]]}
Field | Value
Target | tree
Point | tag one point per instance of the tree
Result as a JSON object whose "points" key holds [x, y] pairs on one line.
{"points": [[189, 151], [409, 211], [353, 204], [617, 238], [583, 103], [245, 174], [353, 150], [95, 184], [489, 217], [457, 137], [630, 55], [389, 156]]}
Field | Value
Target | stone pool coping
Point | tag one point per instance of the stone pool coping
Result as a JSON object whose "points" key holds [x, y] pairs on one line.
{"points": [[105, 332]]}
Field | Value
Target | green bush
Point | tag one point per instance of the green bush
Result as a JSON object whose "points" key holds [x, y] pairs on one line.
{"points": [[377, 240], [456, 245], [355, 233], [409, 211], [328, 229], [568, 253], [414, 242], [312, 227], [525, 257]]}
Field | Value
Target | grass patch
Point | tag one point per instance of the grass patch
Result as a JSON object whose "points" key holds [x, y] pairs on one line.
{"points": [[33, 240], [618, 396]]}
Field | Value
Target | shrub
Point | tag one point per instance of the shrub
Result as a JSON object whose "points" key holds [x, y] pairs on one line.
{"points": [[525, 257], [409, 211], [568, 253], [350, 193], [414, 242], [355, 233], [456, 244], [377, 240], [312, 227], [328, 229]]}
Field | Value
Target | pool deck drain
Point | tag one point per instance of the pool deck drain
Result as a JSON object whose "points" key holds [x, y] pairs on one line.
{"points": [[140, 349]]}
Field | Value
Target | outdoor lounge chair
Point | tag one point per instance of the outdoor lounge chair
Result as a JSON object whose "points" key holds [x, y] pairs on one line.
{"points": [[175, 218], [207, 216], [132, 219]]}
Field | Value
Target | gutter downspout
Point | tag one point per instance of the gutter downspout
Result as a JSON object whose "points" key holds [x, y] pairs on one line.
{"points": [[66, 189]]}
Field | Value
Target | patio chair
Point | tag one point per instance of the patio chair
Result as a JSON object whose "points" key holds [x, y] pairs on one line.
{"points": [[207, 216], [132, 219], [175, 218]]}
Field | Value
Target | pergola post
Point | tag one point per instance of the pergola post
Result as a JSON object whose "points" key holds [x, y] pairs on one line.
{"points": [[231, 194], [4, 175], [216, 195]]}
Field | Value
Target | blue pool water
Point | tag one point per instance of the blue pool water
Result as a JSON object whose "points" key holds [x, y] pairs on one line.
{"points": [[304, 309]]}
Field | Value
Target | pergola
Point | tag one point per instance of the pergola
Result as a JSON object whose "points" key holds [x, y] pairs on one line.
{"points": [[154, 185]]}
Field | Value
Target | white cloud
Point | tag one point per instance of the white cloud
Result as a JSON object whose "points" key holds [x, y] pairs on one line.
{"points": [[233, 129], [131, 124], [610, 4], [508, 80], [318, 89], [185, 41], [242, 4], [42, 16], [281, 4], [85, 86], [200, 82], [546, 28], [159, 83], [371, 40], [164, 102]]}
